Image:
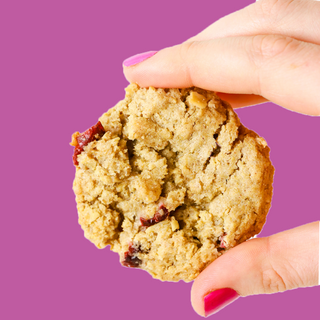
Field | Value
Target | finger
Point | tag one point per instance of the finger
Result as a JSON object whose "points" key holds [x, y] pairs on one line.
{"points": [[284, 261], [282, 70], [298, 19], [241, 100]]}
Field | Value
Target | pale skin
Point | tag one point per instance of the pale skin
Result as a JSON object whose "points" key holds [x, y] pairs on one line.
{"points": [[268, 51]]}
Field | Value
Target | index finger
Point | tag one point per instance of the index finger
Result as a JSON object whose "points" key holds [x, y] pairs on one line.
{"points": [[280, 69]]}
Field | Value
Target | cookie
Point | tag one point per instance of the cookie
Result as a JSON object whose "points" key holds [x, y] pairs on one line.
{"points": [[171, 180]]}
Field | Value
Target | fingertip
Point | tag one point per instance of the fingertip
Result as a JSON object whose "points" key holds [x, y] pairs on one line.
{"points": [[197, 300], [132, 67], [161, 69], [138, 58]]}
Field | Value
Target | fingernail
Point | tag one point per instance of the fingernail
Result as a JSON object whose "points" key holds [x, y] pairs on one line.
{"points": [[138, 58], [217, 300]]}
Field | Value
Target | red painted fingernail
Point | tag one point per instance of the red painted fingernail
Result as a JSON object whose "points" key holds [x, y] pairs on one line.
{"points": [[138, 58], [217, 300]]}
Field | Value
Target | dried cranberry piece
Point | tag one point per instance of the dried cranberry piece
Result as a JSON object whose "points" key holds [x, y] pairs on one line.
{"points": [[130, 259], [93, 133], [156, 218]]}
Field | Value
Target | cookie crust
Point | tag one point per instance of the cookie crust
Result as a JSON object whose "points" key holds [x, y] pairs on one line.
{"points": [[174, 182]]}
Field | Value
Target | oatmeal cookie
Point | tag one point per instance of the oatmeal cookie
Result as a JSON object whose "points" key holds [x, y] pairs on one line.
{"points": [[171, 179]]}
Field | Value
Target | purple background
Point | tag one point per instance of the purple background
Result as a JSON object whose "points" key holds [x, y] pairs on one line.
{"points": [[60, 69]]}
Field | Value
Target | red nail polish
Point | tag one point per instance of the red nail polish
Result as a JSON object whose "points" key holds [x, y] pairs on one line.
{"points": [[138, 58], [218, 299]]}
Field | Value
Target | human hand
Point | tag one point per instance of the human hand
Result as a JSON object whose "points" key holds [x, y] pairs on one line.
{"points": [[270, 50]]}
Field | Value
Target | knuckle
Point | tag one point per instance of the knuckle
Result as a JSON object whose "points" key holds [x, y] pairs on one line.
{"points": [[264, 48], [186, 49], [186, 52], [314, 10], [271, 280], [271, 10], [269, 14], [262, 51]]}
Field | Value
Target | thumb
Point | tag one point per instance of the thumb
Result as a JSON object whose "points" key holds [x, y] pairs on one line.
{"points": [[281, 262]]}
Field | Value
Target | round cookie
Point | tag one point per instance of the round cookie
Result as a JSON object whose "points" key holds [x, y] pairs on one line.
{"points": [[171, 179]]}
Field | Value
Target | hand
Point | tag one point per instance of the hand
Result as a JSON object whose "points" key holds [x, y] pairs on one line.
{"points": [[269, 50]]}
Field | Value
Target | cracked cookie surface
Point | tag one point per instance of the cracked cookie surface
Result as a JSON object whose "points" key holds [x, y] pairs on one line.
{"points": [[171, 181]]}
